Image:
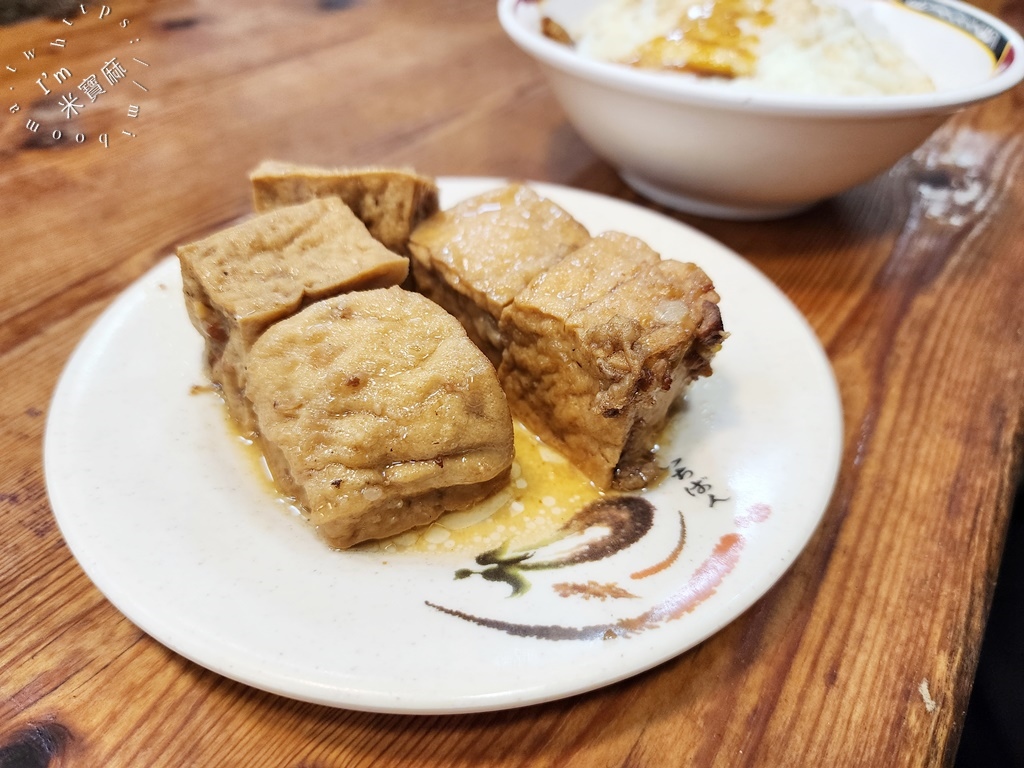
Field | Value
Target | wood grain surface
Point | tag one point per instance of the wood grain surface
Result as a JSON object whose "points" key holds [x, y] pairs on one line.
{"points": [[862, 655]]}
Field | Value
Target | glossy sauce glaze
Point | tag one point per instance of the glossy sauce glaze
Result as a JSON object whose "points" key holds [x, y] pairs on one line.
{"points": [[713, 38]]}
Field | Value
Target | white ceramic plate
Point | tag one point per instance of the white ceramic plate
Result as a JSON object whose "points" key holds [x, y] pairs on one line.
{"points": [[167, 516]]}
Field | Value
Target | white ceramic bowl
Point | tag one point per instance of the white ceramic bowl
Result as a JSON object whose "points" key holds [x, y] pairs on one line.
{"points": [[702, 147]]}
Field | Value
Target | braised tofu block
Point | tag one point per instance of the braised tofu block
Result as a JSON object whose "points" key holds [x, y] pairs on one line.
{"points": [[474, 258], [377, 413], [599, 347], [389, 201], [241, 280]]}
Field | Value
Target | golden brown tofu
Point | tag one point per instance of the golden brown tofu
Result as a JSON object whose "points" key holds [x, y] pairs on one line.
{"points": [[598, 348], [389, 201], [474, 258], [377, 413], [239, 281]]}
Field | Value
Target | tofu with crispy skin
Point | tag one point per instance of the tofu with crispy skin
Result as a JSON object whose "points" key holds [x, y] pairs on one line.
{"points": [[389, 201], [474, 258], [598, 347], [239, 281], [377, 413]]}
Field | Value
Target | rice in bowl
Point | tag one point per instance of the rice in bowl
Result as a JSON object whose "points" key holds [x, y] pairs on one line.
{"points": [[791, 46]]}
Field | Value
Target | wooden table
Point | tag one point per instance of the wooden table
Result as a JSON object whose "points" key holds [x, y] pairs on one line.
{"points": [[863, 654]]}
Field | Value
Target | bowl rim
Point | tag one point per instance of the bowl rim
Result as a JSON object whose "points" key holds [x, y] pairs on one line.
{"points": [[670, 87]]}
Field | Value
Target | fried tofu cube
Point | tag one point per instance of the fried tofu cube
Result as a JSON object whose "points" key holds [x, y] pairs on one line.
{"points": [[377, 413], [389, 201], [599, 346]]}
